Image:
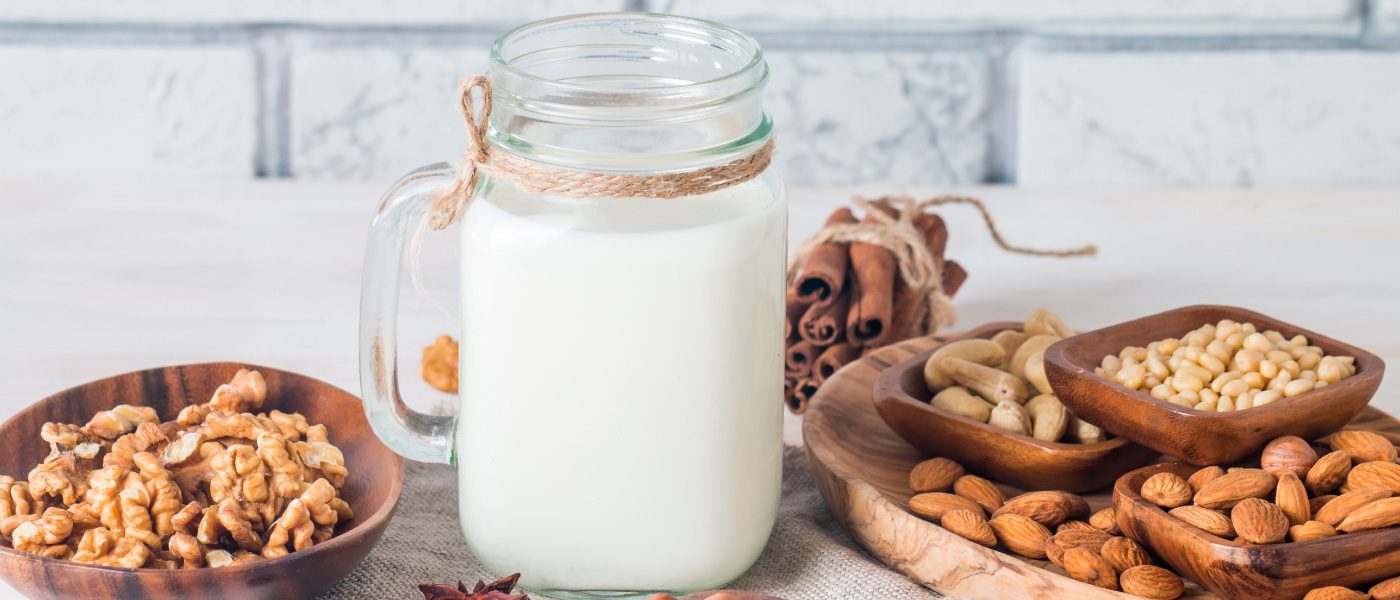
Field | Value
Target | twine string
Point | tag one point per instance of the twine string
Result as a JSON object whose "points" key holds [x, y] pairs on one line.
{"points": [[917, 267]]}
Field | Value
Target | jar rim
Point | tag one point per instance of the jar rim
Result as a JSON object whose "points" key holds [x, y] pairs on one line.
{"points": [[500, 64]]}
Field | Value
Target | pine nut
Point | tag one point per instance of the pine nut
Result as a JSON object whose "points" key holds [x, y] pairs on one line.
{"points": [[1297, 386]]}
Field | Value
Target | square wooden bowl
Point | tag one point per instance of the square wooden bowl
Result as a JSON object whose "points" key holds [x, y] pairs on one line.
{"points": [[902, 399], [372, 489], [1248, 572], [1197, 436]]}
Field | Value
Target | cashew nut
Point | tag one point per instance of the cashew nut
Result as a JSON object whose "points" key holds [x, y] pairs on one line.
{"points": [[1049, 418], [1009, 340], [959, 401], [1083, 431], [993, 384], [982, 352], [1033, 345], [1044, 322], [1011, 417]]}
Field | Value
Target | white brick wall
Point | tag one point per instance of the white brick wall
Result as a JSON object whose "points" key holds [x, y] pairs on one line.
{"points": [[363, 12], [127, 111], [1112, 17], [1246, 118], [1071, 92], [908, 117]]}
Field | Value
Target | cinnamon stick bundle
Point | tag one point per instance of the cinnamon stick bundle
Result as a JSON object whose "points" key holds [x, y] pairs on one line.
{"points": [[849, 300]]}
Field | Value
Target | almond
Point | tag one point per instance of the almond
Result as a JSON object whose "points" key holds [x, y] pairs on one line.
{"points": [[1204, 476], [1078, 506], [1235, 485], [1123, 554], [1328, 472], [1020, 534], [970, 525], [1056, 546], [1152, 582], [934, 505], [1376, 515], [1210, 521], [1317, 502], [981, 491], [1335, 511], [1312, 530], [1106, 520], [1288, 454], [1292, 498], [1363, 446], [1083, 564], [934, 475], [1166, 490], [1258, 521], [1335, 592], [1075, 526], [1375, 475], [1047, 508], [1386, 590]]}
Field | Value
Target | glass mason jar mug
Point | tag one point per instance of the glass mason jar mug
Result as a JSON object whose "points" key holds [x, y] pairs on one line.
{"points": [[621, 358]]}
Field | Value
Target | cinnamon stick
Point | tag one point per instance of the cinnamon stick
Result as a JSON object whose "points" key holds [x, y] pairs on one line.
{"points": [[800, 357], [953, 277], [832, 359], [792, 315], [823, 274], [910, 306], [874, 269], [802, 395], [824, 325]]}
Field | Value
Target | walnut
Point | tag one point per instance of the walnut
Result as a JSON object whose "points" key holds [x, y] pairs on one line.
{"points": [[439, 366], [15, 498], [188, 550], [322, 460], [183, 447], [45, 535], [235, 425], [317, 501], [187, 519], [193, 415], [244, 556], [317, 433], [122, 419], [9, 524], [109, 548], [67, 436], [61, 475], [84, 517], [244, 393], [239, 474], [285, 465], [165, 496], [208, 449], [228, 518], [135, 504], [294, 527], [219, 558], [147, 437], [291, 426]]}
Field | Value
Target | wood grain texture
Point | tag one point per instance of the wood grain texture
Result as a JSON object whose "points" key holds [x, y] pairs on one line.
{"points": [[862, 469], [1196, 436], [1270, 572], [901, 397], [372, 489]]}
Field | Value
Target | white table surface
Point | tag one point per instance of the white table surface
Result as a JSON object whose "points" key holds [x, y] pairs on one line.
{"points": [[100, 278]]}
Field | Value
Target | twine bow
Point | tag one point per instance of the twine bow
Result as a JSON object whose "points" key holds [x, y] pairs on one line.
{"points": [[917, 267]]}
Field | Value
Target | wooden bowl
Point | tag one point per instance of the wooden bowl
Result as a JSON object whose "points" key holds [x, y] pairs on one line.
{"points": [[1245, 572], [1196, 436], [902, 397], [372, 489]]}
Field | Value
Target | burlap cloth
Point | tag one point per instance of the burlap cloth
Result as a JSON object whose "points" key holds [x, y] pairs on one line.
{"points": [[809, 556]]}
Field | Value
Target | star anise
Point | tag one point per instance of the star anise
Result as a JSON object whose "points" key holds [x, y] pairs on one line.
{"points": [[496, 590]]}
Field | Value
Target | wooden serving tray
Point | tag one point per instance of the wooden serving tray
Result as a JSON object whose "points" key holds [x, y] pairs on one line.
{"points": [[862, 469]]}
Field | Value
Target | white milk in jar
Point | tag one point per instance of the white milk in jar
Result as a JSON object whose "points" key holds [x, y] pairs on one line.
{"points": [[611, 436]]}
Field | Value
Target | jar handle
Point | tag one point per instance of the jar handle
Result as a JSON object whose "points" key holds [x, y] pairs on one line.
{"points": [[416, 436]]}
